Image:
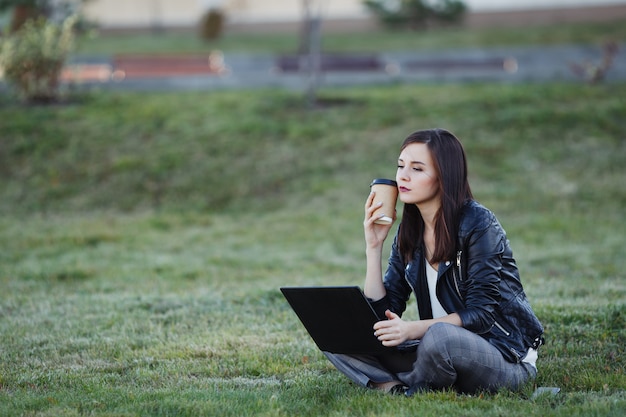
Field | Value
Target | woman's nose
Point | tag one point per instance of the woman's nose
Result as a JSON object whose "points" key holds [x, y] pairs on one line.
{"points": [[402, 174]]}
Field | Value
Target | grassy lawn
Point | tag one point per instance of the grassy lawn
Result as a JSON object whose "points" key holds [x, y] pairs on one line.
{"points": [[143, 238], [370, 41]]}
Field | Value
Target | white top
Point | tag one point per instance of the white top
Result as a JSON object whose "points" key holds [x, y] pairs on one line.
{"points": [[531, 357], [431, 276]]}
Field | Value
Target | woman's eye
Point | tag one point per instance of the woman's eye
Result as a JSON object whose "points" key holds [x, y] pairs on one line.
{"points": [[400, 167]]}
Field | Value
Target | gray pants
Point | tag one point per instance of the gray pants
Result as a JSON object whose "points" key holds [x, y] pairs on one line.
{"points": [[447, 356]]}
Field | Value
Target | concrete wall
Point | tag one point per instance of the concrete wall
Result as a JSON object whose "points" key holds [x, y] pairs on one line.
{"points": [[337, 14], [508, 5]]}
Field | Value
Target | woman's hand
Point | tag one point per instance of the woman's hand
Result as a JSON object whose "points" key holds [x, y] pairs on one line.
{"points": [[375, 234], [394, 330]]}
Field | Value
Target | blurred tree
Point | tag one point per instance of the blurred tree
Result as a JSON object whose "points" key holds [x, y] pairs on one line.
{"points": [[310, 45]]}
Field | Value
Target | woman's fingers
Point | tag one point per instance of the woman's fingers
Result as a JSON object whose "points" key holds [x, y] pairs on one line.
{"points": [[391, 315], [371, 207], [370, 198]]}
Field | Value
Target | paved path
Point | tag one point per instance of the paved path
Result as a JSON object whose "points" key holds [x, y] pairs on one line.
{"points": [[250, 71], [498, 64]]}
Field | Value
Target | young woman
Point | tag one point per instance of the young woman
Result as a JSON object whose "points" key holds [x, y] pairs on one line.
{"points": [[477, 330]]}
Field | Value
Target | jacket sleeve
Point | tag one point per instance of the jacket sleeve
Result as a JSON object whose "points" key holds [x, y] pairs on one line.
{"points": [[483, 248], [396, 288]]}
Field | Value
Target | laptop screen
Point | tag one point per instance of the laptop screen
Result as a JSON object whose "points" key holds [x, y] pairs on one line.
{"points": [[339, 319]]}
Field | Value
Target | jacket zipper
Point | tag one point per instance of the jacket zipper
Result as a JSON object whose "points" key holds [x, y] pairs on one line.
{"points": [[499, 326], [406, 277], [458, 265]]}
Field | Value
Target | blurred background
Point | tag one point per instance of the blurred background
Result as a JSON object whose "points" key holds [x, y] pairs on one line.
{"points": [[338, 14], [148, 216], [276, 15]]}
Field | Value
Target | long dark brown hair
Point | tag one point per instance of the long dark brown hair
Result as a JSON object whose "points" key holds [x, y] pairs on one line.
{"points": [[451, 168]]}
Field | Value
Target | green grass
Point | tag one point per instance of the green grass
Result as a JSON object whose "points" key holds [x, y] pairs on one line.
{"points": [[143, 238], [366, 41]]}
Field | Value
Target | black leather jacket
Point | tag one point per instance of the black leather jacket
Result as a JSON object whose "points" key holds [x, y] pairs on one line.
{"points": [[482, 285]]}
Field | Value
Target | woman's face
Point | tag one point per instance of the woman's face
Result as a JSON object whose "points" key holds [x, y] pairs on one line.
{"points": [[416, 176]]}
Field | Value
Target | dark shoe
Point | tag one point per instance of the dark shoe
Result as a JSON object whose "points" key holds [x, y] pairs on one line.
{"points": [[420, 387], [391, 387], [398, 390]]}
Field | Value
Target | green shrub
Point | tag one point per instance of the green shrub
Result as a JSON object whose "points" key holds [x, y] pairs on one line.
{"points": [[416, 14], [33, 57], [211, 24]]}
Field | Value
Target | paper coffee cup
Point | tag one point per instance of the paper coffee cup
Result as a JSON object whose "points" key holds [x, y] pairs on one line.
{"points": [[387, 192]]}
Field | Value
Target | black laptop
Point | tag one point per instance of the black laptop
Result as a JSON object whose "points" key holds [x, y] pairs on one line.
{"points": [[339, 319]]}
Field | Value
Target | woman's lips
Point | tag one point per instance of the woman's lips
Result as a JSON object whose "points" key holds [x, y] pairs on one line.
{"points": [[403, 189]]}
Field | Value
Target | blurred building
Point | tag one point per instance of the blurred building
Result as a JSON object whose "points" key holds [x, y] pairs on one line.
{"points": [[279, 15]]}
